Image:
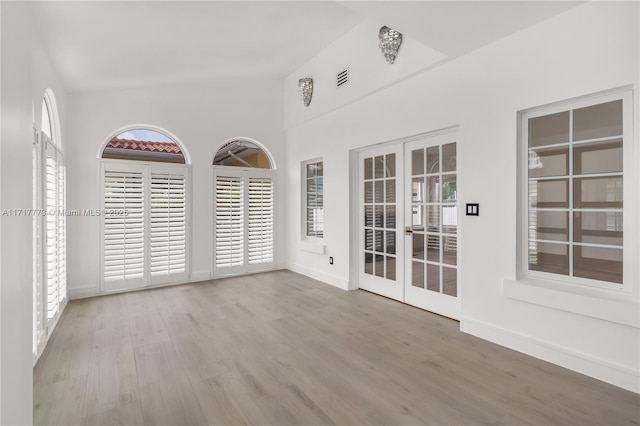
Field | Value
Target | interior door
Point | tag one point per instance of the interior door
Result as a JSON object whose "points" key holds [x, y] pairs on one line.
{"points": [[431, 215], [380, 251]]}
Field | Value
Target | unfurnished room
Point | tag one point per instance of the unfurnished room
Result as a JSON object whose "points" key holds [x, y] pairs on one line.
{"points": [[319, 213]]}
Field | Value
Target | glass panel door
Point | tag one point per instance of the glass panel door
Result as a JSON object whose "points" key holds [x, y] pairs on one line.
{"points": [[431, 217], [380, 266]]}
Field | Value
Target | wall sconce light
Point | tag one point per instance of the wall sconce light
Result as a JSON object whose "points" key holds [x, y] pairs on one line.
{"points": [[390, 41], [306, 90]]}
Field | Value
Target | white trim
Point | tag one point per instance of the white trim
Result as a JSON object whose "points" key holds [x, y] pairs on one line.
{"points": [[313, 246], [591, 302], [303, 203], [319, 276], [174, 138], [609, 372]]}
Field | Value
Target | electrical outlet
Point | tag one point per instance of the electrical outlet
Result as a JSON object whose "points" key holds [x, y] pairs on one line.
{"points": [[330, 260]]}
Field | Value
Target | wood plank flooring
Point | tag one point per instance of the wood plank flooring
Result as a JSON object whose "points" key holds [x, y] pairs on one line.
{"points": [[282, 349]]}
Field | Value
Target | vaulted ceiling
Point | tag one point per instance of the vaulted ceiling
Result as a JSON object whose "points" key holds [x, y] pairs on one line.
{"points": [[98, 45]]}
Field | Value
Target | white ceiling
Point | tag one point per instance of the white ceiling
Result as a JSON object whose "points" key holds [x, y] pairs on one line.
{"points": [[118, 44], [121, 44]]}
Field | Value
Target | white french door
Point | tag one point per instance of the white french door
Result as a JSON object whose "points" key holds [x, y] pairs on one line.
{"points": [[409, 223], [243, 205]]}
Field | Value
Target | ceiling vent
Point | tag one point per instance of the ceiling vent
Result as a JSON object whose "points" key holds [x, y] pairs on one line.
{"points": [[342, 77]]}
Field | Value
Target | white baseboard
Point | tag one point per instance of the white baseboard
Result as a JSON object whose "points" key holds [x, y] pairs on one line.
{"points": [[320, 276], [200, 276], [615, 374], [82, 292]]}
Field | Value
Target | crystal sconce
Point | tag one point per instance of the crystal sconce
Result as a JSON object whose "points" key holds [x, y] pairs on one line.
{"points": [[390, 41], [306, 90]]}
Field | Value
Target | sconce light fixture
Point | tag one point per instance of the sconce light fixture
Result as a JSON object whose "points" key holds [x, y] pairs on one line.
{"points": [[390, 41], [306, 90]]}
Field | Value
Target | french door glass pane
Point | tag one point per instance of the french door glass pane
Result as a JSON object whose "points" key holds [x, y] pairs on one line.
{"points": [[433, 277], [417, 274], [450, 281]]}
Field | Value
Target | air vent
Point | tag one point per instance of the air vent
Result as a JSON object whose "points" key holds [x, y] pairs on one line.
{"points": [[343, 77]]}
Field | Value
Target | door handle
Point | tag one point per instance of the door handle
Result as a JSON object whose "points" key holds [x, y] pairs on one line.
{"points": [[407, 230]]}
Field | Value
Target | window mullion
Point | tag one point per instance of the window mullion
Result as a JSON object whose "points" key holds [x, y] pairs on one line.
{"points": [[571, 212]]}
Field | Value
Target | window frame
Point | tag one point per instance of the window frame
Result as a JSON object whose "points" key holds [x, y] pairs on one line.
{"points": [[303, 201], [629, 176]]}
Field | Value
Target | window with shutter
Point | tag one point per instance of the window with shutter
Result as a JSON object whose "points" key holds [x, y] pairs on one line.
{"points": [[243, 220], [49, 226], [144, 224], [55, 247]]}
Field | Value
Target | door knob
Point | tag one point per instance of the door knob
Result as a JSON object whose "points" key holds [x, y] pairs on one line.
{"points": [[407, 230]]}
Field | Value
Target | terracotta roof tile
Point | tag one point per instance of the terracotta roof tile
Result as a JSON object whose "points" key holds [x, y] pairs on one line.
{"points": [[168, 147]]}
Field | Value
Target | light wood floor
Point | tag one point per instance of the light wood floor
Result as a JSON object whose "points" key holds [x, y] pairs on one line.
{"points": [[282, 349]]}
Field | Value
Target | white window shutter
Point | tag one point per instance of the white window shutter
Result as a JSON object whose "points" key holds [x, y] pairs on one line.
{"points": [[260, 223], [229, 223], [168, 224], [123, 226], [55, 223]]}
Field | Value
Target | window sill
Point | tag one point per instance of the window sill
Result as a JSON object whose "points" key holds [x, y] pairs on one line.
{"points": [[312, 246], [596, 303]]}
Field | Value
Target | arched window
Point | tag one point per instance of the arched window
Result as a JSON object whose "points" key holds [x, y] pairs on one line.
{"points": [[243, 198], [49, 267], [144, 212]]}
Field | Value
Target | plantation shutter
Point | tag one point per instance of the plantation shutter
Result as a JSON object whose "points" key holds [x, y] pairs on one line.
{"points": [[260, 223], [55, 223], [168, 224], [243, 220], [229, 223], [123, 226]]}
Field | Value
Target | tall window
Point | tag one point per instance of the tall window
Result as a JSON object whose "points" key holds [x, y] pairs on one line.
{"points": [[49, 228], [577, 161], [243, 208], [313, 198], [144, 211]]}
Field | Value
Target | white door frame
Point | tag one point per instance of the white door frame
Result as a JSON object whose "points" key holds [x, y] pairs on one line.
{"points": [[354, 208]]}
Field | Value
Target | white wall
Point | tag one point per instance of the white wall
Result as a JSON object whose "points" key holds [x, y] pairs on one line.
{"points": [[590, 48], [15, 323], [202, 116], [26, 74], [358, 51]]}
